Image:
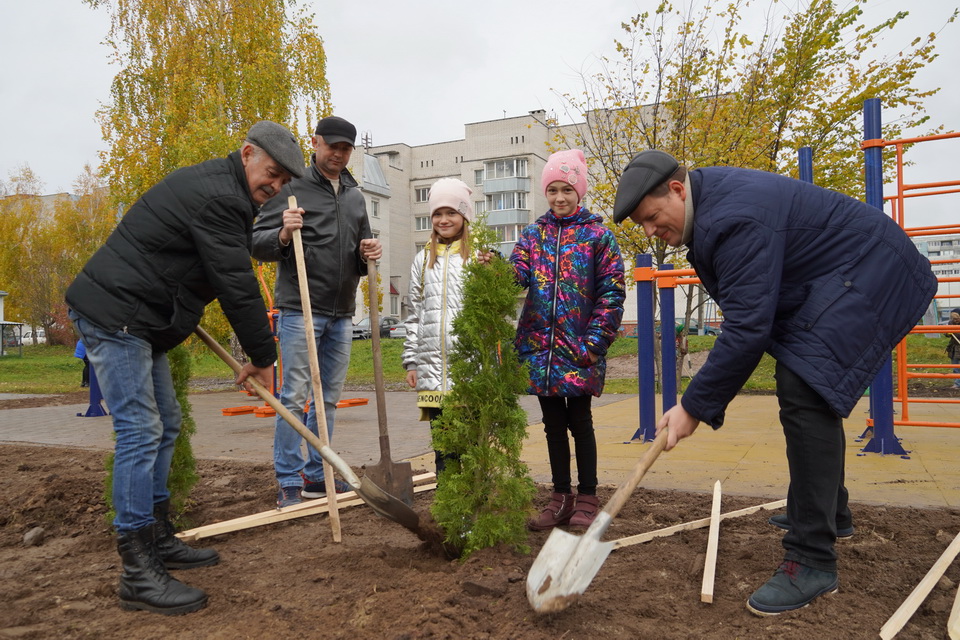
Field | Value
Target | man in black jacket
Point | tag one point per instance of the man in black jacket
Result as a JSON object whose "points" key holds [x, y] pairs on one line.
{"points": [[185, 242], [337, 242]]}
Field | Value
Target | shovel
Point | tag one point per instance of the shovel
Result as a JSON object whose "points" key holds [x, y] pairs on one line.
{"points": [[567, 564], [394, 477], [378, 499]]}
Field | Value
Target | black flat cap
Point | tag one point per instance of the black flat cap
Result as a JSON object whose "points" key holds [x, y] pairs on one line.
{"points": [[646, 171], [279, 144], [334, 129]]}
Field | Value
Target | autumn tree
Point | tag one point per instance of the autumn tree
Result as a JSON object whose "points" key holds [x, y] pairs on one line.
{"points": [[194, 76], [703, 86]]}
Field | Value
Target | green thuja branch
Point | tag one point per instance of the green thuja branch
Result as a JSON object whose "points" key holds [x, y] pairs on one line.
{"points": [[484, 497]]}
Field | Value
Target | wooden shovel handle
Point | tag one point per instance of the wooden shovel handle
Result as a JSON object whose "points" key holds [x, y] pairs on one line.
{"points": [[378, 358], [623, 492]]}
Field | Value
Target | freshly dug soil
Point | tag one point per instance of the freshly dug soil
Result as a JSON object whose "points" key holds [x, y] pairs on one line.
{"points": [[289, 580]]}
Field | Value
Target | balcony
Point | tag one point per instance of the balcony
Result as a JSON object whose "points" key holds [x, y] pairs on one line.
{"points": [[508, 216], [501, 185]]}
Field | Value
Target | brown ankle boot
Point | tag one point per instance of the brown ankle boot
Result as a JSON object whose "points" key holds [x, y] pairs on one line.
{"points": [[556, 513], [584, 512]]}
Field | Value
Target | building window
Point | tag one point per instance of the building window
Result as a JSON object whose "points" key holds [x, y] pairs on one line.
{"points": [[375, 233], [395, 305], [506, 200], [478, 177], [420, 246], [422, 194], [512, 168], [480, 206], [375, 208], [508, 232], [423, 223]]}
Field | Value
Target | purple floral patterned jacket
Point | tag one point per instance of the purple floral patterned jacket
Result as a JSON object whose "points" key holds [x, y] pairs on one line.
{"points": [[574, 275]]}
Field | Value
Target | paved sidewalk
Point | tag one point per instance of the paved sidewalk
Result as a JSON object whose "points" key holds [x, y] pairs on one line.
{"points": [[746, 455]]}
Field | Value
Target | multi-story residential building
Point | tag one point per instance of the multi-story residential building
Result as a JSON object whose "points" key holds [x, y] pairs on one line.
{"points": [[944, 254], [501, 160]]}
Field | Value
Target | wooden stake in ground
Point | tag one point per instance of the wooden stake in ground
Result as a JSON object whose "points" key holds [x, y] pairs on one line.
{"points": [[713, 539], [920, 592], [953, 624], [318, 403]]}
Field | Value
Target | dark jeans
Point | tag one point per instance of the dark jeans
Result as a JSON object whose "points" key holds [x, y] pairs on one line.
{"points": [[817, 498], [559, 415]]}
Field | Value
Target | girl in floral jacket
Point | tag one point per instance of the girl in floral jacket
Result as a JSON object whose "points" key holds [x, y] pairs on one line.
{"points": [[571, 265]]}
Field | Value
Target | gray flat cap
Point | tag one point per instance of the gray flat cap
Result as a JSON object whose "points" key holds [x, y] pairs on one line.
{"points": [[646, 171], [279, 144]]}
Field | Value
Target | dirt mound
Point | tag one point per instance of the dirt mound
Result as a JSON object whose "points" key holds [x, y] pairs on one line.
{"points": [[288, 580]]}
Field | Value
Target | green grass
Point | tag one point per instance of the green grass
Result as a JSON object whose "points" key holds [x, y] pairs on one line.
{"points": [[53, 369]]}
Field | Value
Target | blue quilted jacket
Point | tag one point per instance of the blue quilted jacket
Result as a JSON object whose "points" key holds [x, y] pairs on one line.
{"points": [[824, 283]]}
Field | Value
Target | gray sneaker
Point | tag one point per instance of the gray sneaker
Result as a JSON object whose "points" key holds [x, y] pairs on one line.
{"points": [[782, 522], [793, 586], [288, 496]]}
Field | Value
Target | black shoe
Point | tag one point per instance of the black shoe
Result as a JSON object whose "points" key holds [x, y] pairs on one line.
{"points": [[172, 551], [313, 490], [782, 522], [145, 584], [793, 586]]}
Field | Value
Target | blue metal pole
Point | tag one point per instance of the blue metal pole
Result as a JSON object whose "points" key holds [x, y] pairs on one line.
{"points": [[668, 345], [805, 163], [645, 365], [884, 440], [95, 409]]}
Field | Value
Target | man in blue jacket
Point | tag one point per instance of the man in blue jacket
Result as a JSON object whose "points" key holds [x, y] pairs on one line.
{"points": [[825, 284]]}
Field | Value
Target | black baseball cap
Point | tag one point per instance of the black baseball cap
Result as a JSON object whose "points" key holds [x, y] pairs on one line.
{"points": [[334, 129]]}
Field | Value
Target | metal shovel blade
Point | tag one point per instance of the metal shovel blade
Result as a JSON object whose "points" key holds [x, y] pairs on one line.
{"points": [[566, 565], [378, 499], [395, 477]]}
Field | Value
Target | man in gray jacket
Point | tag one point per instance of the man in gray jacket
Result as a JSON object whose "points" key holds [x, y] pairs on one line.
{"points": [[337, 242]]}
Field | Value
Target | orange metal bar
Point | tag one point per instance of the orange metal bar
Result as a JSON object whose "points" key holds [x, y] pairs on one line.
{"points": [[933, 400], [643, 274], [939, 136], [907, 423], [666, 282]]}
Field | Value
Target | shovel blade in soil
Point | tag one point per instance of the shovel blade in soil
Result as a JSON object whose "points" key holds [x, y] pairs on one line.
{"points": [[565, 567], [396, 478], [387, 505]]}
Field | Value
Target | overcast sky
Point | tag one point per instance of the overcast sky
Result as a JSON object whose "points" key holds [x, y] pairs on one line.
{"points": [[412, 72]]}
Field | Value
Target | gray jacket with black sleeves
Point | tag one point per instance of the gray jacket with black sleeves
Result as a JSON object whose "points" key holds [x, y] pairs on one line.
{"points": [[333, 227]]}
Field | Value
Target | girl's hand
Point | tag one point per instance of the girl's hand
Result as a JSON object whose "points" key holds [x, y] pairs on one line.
{"points": [[412, 378], [485, 257]]}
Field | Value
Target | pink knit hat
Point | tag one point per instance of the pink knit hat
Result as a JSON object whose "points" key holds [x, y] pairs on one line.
{"points": [[566, 166], [453, 193]]}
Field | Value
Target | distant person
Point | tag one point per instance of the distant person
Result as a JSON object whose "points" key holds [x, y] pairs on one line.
{"points": [[81, 353], [184, 243], [825, 284], [337, 242], [953, 346], [436, 297], [570, 264]]}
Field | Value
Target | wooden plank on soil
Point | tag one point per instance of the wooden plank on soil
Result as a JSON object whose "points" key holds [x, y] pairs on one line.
{"points": [[713, 539], [640, 538], [920, 592], [306, 508]]}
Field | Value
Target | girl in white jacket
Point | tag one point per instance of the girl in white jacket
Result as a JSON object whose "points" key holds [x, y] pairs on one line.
{"points": [[436, 294]]}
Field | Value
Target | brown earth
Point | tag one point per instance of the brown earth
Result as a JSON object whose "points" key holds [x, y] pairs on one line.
{"points": [[289, 580]]}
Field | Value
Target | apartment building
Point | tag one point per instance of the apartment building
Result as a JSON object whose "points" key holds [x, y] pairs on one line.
{"points": [[944, 254], [500, 160]]}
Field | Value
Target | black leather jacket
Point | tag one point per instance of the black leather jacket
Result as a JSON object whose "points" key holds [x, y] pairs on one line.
{"points": [[185, 242], [332, 230]]}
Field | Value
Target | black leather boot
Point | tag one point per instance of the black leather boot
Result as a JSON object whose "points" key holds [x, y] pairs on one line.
{"points": [[145, 584], [175, 553]]}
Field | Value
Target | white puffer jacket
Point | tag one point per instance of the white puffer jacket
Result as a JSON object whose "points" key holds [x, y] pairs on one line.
{"points": [[436, 295]]}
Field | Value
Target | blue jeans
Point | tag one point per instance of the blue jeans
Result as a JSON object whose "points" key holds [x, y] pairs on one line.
{"points": [[334, 337], [138, 389]]}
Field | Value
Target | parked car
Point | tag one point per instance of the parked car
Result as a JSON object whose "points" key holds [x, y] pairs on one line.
{"points": [[361, 330], [398, 331], [41, 337], [710, 330]]}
